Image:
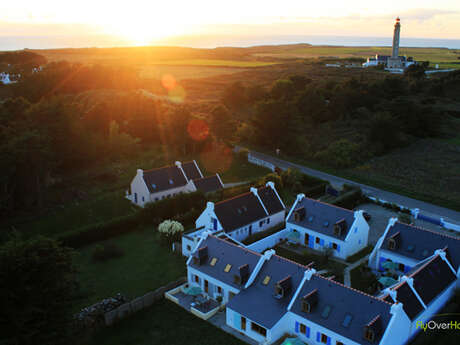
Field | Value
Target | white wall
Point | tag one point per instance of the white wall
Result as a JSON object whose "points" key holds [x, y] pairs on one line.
{"points": [[358, 236], [269, 241], [138, 186], [230, 318], [388, 254]]}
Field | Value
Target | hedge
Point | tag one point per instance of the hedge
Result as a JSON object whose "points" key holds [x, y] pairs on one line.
{"points": [[350, 199], [260, 235], [316, 191]]}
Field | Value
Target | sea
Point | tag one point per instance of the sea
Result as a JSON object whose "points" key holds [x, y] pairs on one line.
{"points": [[55, 42]]}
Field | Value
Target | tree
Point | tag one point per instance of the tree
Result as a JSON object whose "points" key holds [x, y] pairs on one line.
{"points": [[170, 230], [283, 89], [234, 96], [38, 288], [222, 124]]}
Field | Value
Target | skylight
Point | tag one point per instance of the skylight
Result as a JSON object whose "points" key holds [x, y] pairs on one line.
{"points": [[310, 219], [266, 280], [326, 311], [227, 268], [347, 320], [425, 252], [213, 261]]}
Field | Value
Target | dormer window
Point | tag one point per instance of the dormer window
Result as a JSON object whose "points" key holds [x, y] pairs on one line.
{"points": [[299, 214], [340, 227], [242, 276], [201, 256], [373, 329], [391, 244], [309, 301], [369, 335], [283, 287]]}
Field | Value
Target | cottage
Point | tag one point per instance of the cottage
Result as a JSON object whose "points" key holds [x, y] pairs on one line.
{"points": [[318, 225], [158, 184], [407, 245], [267, 296]]}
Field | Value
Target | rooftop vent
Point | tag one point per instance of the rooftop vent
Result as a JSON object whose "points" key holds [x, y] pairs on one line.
{"points": [[283, 287], [373, 329], [326, 224]]}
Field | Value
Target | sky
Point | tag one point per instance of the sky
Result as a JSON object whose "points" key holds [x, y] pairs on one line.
{"points": [[141, 22]]}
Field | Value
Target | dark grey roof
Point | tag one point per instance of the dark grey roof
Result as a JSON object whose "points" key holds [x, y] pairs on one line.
{"points": [[191, 170], [226, 253], [270, 200], [257, 302], [418, 243], [246, 208], [321, 217], [208, 184], [239, 211], [342, 300], [432, 279], [165, 178], [411, 304]]}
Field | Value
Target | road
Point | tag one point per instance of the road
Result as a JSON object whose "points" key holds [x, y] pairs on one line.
{"points": [[425, 208]]}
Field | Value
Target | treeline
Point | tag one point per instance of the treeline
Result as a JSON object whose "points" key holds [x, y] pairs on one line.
{"points": [[342, 123], [20, 61]]}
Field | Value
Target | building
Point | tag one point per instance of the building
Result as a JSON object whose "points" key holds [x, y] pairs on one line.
{"points": [[239, 217], [407, 245], [158, 184], [318, 225], [393, 61], [267, 296]]}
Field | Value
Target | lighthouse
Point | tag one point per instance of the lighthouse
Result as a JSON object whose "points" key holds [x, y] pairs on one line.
{"points": [[396, 35]]}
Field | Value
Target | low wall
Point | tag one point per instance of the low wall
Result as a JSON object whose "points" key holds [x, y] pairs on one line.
{"points": [[268, 242], [260, 162]]}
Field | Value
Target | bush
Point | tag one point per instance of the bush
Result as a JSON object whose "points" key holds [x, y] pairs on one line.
{"points": [[340, 154], [104, 252], [170, 231], [315, 192], [350, 199]]}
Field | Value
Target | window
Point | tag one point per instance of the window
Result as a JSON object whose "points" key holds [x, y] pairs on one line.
{"points": [[188, 247], [334, 245], [156, 199], [213, 261], [243, 323], [347, 320], [227, 268], [154, 186], [317, 240], [369, 334], [258, 329], [268, 220], [266, 280], [338, 343], [261, 223], [196, 279], [303, 328], [219, 289], [401, 267], [391, 244], [326, 312], [306, 307], [143, 199], [323, 338]]}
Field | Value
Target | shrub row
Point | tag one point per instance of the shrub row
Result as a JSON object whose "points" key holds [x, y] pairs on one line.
{"points": [[350, 199], [363, 252], [316, 191]]}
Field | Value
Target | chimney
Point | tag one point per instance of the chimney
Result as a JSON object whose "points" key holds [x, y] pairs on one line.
{"points": [[178, 164], [270, 184], [140, 172], [254, 191], [210, 206]]}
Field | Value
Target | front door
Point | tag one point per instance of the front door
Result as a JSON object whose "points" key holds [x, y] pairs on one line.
{"points": [[206, 286], [306, 239], [243, 323], [250, 230]]}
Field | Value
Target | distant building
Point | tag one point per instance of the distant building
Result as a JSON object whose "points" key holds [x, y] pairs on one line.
{"points": [[395, 61], [5, 79]]}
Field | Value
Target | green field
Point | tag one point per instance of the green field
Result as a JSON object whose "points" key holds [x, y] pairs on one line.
{"points": [[145, 266]]}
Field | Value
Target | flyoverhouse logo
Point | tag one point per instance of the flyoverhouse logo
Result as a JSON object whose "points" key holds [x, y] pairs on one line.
{"points": [[433, 325]]}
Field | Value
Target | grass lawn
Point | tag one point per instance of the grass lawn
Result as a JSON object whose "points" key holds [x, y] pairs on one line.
{"points": [[163, 323], [145, 266]]}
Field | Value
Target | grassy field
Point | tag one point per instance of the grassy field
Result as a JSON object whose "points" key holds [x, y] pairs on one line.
{"points": [[215, 62], [145, 266], [163, 323], [185, 72]]}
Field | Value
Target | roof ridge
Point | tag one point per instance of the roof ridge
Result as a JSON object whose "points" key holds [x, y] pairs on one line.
{"points": [[327, 204], [353, 289], [428, 230], [424, 265]]}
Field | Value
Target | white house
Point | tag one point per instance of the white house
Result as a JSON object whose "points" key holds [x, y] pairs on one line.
{"points": [[407, 245], [319, 225], [157, 184], [267, 296], [240, 216]]}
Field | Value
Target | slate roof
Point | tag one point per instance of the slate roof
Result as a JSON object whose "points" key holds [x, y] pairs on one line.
{"points": [[432, 279], [318, 214], [424, 243], [411, 304], [191, 170], [362, 307], [226, 253], [257, 302], [270, 200], [158, 180], [245, 209], [208, 184]]}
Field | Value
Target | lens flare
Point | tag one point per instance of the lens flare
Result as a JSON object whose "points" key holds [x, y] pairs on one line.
{"points": [[177, 95], [198, 129], [168, 81]]}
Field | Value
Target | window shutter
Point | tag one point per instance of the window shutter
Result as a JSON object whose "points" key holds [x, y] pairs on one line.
{"points": [[338, 248], [330, 244], [307, 332], [321, 242], [328, 340], [318, 336], [296, 327]]}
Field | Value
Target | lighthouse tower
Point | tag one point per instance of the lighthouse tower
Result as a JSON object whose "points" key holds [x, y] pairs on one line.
{"points": [[396, 35], [395, 61]]}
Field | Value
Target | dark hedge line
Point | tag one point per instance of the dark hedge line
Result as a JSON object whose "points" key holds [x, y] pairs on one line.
{"points": [[350, 199]]}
